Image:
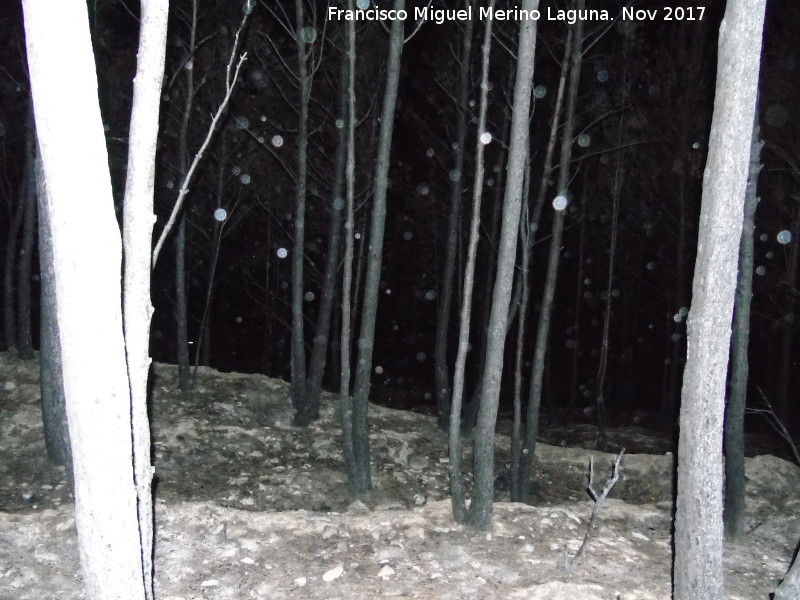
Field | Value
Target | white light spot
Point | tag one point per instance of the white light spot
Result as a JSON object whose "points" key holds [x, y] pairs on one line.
{"points": [[357, 236], [238, 319], [540, 91], [379, 369], [429, 153], [602, 75], [430, 295], [309, 35], [560, 202], [407, 235], [339, 123], [220, 214], [282, 253], [651, 266], [584, 140], [308, 296], [784, 237], [486, 138], [170, 185], [245, 178], [761, 270], [277, 141], [189, 65]]}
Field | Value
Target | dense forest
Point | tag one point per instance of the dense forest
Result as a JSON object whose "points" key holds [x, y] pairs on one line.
{"points": [[481, 211]]}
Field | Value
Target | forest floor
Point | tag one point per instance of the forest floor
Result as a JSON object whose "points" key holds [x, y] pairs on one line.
{"points": [[248, 506]]}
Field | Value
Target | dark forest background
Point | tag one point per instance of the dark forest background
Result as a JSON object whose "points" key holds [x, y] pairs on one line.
{"points": [[646, 91]]}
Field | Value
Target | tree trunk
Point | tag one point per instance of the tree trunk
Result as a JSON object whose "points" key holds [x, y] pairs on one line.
{"points": [[442, 374], [789, 589], [456, 479], [698, 516], [345, 401], [545, 312], [782, 404], [480, 510], [185, 381], [87, 256], [27, 200], [51, 382], [137, 231], [319, 351], [298, 363], [366, 339], [737, 392]]}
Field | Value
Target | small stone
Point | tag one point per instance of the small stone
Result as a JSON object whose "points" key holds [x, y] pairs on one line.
{"points": [[300, 581], [334, 573], [386, 572], [209, 583]]}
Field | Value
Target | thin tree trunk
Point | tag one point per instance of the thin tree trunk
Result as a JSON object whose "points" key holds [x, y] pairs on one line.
{"points": [[698, 569], [442, 375], [319, 351], [345, 401], [600, 403], [576, 326], [51, 381], [185, 381], [9, 305], [27, 199], [782, 408], [530, 227], [480, 510], [87, 256], [298, 363], [366, 339], [138, 219], [733, 514], [454, 441], [545, 312]]}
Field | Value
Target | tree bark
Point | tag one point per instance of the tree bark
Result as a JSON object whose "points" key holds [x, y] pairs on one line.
{"points": [[545, 312], [345, 401], [480, 510], [137, 232], [454, 441], [27, 199], [366, 339], [98, 402], [322, 328], [442, 374], [733, 514], [51, 382], [298, 363], [697, 570], [185, 381]]}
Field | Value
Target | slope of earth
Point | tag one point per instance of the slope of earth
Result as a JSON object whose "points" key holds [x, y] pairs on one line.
{"points": [[249, 506]]}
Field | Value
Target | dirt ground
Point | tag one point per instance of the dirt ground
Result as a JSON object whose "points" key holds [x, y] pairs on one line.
{"points": [[248, 506]]}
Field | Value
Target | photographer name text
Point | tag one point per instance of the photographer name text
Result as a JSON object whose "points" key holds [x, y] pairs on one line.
{"points": [[441, 15]]}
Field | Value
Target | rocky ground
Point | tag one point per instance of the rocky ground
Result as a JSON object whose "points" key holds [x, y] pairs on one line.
{"points": [[248, 506]]}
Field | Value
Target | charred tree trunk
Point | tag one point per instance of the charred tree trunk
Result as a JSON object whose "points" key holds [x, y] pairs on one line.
{"points": [[733, 514], [298, 363], [454, 441], [442, 375], [27, 200], [366, 338], [543, 329]]}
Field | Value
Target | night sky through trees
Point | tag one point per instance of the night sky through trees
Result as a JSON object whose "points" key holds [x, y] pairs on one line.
{"points": [[646, 91]]}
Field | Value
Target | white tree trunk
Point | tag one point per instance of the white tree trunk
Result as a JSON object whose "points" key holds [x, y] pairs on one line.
{"points": [[138, 219], [698, 518], [87, 259]]}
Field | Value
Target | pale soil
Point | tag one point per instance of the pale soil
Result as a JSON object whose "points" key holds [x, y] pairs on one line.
{"points": [[249, 506]]}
